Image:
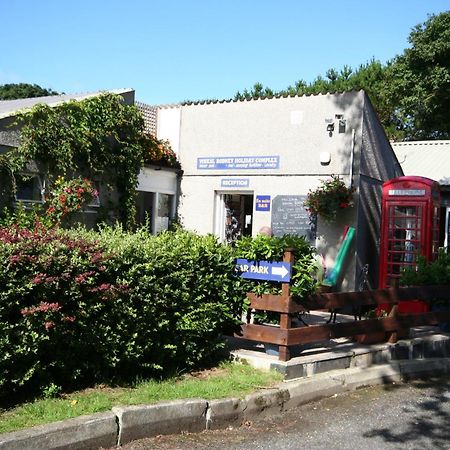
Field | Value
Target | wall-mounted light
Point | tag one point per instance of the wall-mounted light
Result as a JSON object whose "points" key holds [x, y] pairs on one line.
{"points": [[330, 129]]}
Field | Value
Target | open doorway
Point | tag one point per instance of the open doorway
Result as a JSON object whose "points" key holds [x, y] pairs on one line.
{"points": [[233, 216]]}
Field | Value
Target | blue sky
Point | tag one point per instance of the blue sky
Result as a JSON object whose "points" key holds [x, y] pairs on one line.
{"points": [[173, 50]]}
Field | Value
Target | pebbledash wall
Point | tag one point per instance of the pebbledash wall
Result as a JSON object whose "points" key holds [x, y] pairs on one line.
{"points": [[265, 155]]}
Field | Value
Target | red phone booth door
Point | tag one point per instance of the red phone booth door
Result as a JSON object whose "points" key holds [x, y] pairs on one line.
{"points": [[404, 238]]}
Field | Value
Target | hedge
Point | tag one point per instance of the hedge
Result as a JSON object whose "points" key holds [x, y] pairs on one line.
{"points": [[79, 307], [82, 307]]}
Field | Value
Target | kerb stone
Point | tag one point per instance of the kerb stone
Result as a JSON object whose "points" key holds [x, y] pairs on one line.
{"points": [[82, 433], [137, 422], [225, 412], [262, 403]]}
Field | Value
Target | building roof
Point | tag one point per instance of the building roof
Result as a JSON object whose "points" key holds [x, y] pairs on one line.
{"points": [[429, 159], [249, 99], [11, 107]]}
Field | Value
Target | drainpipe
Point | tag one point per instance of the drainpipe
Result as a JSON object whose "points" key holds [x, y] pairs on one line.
{"points": [[352, 157]]}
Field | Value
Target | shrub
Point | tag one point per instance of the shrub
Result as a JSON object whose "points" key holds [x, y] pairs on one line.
{"points": [[182, 296], [428, 273], [265, 248], [80, 307], [56, 300]]}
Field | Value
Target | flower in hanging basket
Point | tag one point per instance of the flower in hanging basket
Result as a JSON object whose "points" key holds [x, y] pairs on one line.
{"points": [[331, 196]]}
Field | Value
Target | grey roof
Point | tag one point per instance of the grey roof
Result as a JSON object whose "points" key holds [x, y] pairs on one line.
{"points": [[251, 99], [429, 159], [11, 107]]}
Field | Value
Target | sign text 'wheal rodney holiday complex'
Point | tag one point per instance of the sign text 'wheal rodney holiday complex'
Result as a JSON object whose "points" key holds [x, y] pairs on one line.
{"points": [[238, 162]]}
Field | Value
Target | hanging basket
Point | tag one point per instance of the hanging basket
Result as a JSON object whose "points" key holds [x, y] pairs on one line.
{"points": [[330, 197]]}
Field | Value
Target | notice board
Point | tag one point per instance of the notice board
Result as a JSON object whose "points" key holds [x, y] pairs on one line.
{"points": [[289, 216]]}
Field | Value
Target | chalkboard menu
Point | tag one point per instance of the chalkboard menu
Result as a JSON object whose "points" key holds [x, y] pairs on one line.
{"points": [[289, 216]]}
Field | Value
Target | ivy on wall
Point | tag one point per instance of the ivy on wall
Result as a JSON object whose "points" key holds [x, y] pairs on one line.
{"points": [[99, 138]]}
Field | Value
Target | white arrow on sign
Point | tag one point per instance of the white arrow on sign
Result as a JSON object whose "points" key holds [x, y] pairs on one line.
{"points": [[280, 271]]}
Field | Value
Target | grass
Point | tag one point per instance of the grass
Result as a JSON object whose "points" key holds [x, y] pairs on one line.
{"points": [[228, 380]]}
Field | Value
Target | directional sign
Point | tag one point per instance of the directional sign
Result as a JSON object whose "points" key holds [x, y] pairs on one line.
{"points": [[264, 270]]}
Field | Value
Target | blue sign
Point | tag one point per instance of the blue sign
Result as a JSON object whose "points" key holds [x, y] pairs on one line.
{"points": [[238, 162], [235, 182], [262, 203], [264, 270]]}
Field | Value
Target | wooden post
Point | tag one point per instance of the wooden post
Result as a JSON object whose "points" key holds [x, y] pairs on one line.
{"points": [[285, 318]]}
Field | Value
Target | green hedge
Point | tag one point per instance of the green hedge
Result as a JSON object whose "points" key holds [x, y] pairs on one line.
{"points": [[80, 307]]}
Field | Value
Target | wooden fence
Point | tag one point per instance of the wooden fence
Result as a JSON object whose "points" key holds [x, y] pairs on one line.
{"points": [[287, 335]]}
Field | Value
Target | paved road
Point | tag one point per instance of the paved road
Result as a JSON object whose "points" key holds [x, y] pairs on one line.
{"points": [[396, 416]]}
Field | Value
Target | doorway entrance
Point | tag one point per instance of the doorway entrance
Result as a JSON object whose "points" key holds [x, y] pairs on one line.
{"points": [[233, 215]]}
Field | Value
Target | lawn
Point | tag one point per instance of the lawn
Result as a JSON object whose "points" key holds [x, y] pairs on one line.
{"points": [[226, 380]]}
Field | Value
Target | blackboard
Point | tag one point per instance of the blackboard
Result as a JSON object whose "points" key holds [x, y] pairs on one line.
{"points": [[289, 216]]}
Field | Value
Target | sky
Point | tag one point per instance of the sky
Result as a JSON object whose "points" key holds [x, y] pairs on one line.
{"points": [[172, 50]]}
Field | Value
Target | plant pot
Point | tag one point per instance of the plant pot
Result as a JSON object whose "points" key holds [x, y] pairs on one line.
{"points": [[412, 307]]}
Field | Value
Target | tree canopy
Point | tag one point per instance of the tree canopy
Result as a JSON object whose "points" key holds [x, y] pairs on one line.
{"points": [[14, 91], [419, 82]]}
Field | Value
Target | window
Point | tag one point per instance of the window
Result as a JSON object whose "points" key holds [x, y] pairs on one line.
{"points": [[96, 201], [164, 209], [29, 188]]}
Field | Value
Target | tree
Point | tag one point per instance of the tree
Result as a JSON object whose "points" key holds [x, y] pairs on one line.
{"points": [[23, 90], [419, 82], [370, 76]]}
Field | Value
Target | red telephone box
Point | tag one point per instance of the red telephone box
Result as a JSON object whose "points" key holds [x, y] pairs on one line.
{"points": [[409, 226]]}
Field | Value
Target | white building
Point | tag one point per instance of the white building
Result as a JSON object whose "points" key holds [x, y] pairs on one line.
{"points": [[260, 158]]}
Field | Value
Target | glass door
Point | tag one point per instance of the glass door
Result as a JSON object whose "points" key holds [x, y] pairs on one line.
{"points": [[233, 216], [405, 239]]}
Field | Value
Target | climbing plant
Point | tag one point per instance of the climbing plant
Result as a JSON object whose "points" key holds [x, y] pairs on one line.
{"points": [[98, 138]]}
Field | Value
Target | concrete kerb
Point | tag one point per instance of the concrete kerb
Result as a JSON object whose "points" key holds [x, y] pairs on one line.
{"points": [[85, 432], [124, 424], [136, 422]]}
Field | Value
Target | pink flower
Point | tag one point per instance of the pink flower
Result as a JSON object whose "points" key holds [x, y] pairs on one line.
{"points": [[49, 325], [68, 319]]}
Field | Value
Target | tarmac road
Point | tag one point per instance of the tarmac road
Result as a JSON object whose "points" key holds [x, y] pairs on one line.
{"points": [[394, 416]]}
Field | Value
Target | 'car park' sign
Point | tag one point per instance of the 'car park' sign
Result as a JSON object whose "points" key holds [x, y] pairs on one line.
{"points": [[264, 270]]}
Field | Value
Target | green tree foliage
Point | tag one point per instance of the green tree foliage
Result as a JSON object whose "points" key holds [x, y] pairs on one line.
{"points": [[419, 82], [370, 76], [14, 91]]}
